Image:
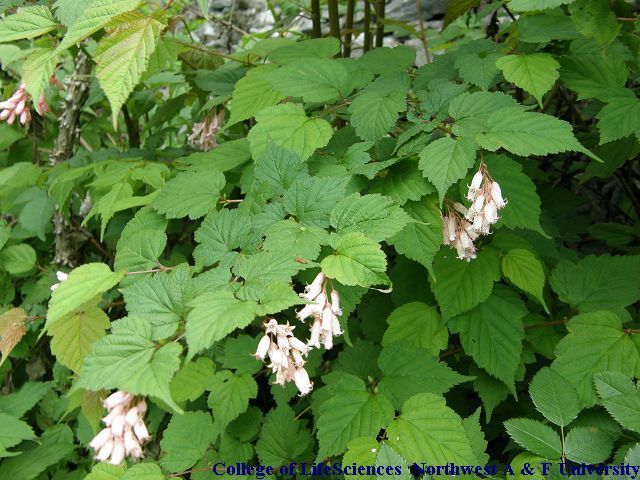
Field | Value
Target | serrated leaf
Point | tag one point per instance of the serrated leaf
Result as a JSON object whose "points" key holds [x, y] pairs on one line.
{"points": [[192, 194], [460, 286], [427, 428], [128, 360], [533, 5], [93, 18], [311, 200], [472, 111], [252, 93], [358, 260], [315, 80], [122, 57], [403, 182], [27, 22], [407, 371], [527, 133], [524, 269], [219, 235], [523, 209], [229, 397], [312, 48], [535, 73], [416, 324], [387, 60], [68, 11], [12, 329], [595, 76], [588, 445], [374, 214], [17, 259], [350, 415], [554, 397], [283, 438], [37, 69], [24, 399], [73, 334], [161, 300], [190, 381], [268, 267], [287, 125], [277, 169], [595, 343], [535, 437], [301, 241], [140, 250], [620, 397], [12, 432], [143, 471], [186, 440], [420, 240], [491, 391], [598, 282], [618, 119], [235, 354], [83, 284], [446, 161], [375, 110], [480, 70], [543, 28], [213, 317], [595, 19], [493, 332]]}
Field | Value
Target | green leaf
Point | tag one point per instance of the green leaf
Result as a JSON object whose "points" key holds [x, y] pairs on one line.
{"points": [[73, 334], [620, 397], [429, 429], [554, 397], [598, 282], [18, 259], [235, 354], [595, 343], [475, 434], [283, 438], [595, 76], [362, 451], [160, 300], [543, 28], [213, 317], [480, 70], [140, 250], [219, 235], [408, 371], [252, 93], [375, 109], [420, 240], [144, 471], [190, 193], [268, 267], [301, 241], [108, 204], [403, 182], [128, 360], [93, 18], [358, 260], [349, 415], [416, 324], [37, 70], [68, 11], [460, 286], [387, 60], [595, 19], [84, 284], [277, 169], [527, 133], [533, 5], [523, 209], [122, 57], [311, 200], [229, 397], [315, 80], [27, 22], [447, 160], [306, 49], [12, 432], [588, 445], [55, 444], [186, 440], [491, 391], [287, 125], [524, 269], [493, 332], [374, 214], [472, 111], [190, 381], [535, 73], [24, 399], [618, 119], [535, 437]]}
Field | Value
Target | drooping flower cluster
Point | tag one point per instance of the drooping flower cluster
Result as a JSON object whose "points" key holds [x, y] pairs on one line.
{"points": [[203, 134], [61, 276], [462, 225], [286, 354], [17, 106], [325, 310], [125, 430]]}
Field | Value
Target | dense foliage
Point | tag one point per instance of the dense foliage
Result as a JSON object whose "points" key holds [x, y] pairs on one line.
{"points": [[167, 210]]}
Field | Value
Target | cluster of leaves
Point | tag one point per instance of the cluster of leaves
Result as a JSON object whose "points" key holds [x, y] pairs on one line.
{"points": [[176, 257]]}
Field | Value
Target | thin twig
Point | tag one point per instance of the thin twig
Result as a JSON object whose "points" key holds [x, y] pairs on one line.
{"points": [[367, 25], [380, 7], [334, 18], [348, 28], [423, 35], [316, 30]]}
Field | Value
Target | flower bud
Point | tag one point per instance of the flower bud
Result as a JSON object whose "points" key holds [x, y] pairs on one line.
{"points": [[476, 181], [335, 302], [314, 288]]}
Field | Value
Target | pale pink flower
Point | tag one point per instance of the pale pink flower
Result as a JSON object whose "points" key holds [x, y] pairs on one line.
{"points": [[302, 381]]}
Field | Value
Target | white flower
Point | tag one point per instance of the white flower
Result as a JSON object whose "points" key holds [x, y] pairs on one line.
{"points": [[101, 439], [335, 302], [263, 348], [117, 455], [476, 181], [496, 195], [314, 288], [105, 451], [302, 381], [61, 276], [140, 429]]}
